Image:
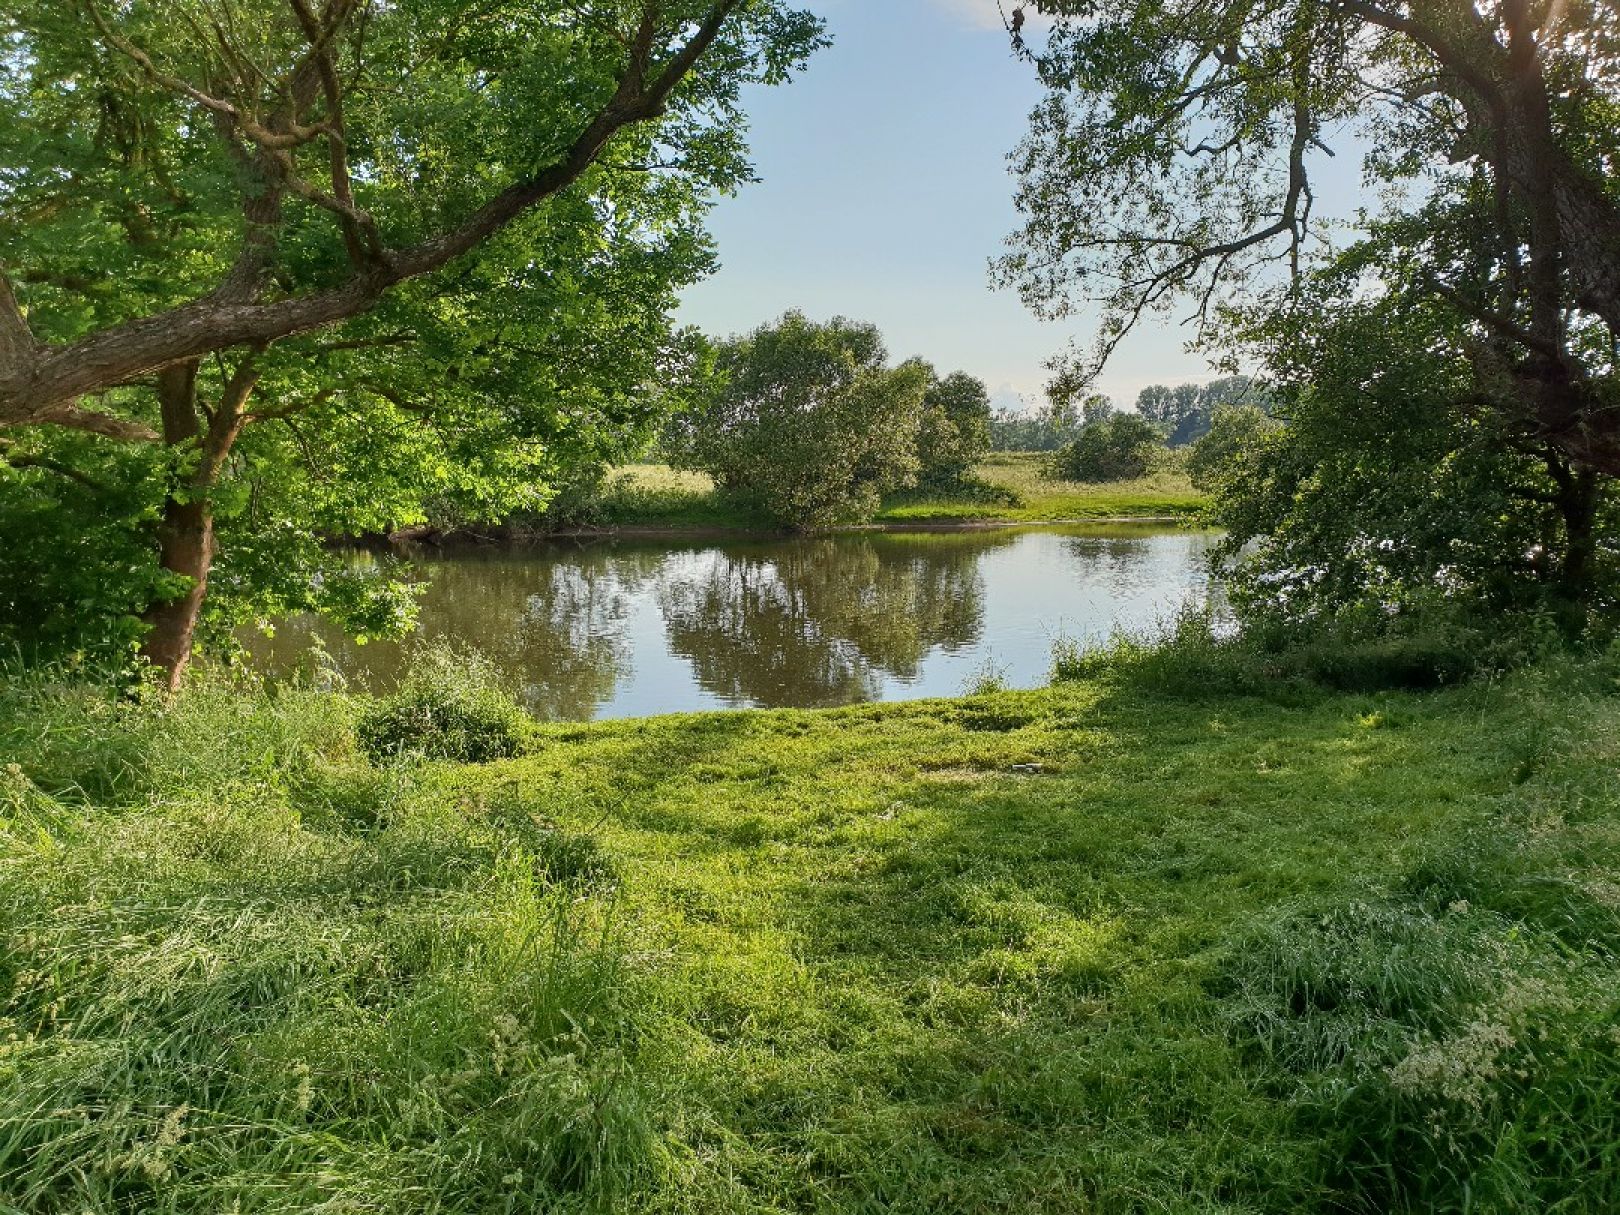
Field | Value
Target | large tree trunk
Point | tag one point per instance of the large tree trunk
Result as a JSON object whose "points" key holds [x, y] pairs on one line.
{"points": [[186, 539], [186, 527], [1578, 493], [185, 533]]}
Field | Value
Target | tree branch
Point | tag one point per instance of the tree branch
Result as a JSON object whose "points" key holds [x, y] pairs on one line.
{"points": [[47, 464], [16, 339], [212, 322], [92, 421]]}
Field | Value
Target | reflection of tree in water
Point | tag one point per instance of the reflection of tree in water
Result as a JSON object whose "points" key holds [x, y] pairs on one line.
{"points": [[818, 622], [550, 619]]}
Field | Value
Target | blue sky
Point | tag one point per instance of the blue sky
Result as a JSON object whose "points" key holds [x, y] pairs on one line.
{"points": [[885, 192]]}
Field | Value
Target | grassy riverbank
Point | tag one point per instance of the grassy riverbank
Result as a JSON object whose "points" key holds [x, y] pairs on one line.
{"points": [[1170, 937], [1015, 489]]}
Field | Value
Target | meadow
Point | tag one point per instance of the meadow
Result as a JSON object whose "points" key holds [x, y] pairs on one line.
{"points": [[1011, 487], [1184, 931]]}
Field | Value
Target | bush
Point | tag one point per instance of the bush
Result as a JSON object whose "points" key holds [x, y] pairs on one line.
{"points": [[954, 431], [1191, 655], [1117, 448], [807, 421], [449, 707], [1428, 660]]}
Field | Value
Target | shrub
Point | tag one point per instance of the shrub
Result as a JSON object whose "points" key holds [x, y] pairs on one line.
{"points": [[1427, 660], [449, 707], [1189, 655], [807, 421], [1120, 447]]}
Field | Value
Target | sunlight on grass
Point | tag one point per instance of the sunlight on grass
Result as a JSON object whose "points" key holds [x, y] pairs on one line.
{"points": [[655, 495], [1088, 947]]}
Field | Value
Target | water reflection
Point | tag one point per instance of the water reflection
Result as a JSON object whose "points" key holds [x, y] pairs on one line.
{"points": [[820, 622], [620, 629]]}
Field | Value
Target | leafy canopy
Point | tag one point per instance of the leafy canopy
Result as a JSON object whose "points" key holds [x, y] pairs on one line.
{"points": [[1173, 164], [445, 365]]}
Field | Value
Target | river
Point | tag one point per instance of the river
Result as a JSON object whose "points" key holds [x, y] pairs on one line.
{"points": [[625, 628]]}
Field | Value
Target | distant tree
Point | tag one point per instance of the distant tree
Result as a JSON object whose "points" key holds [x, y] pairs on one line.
{"points": [[1185, 412], [808, 421], [1116, 448], [1046, 429], [954, 431], [1096, 408]]}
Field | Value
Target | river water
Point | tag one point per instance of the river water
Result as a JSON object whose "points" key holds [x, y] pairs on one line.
{"points": [[624, 628]]}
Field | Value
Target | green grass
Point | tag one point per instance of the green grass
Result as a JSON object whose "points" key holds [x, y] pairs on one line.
{"points": [[657, 497], [1016, 490], [1129, 943], [1031, 496]]}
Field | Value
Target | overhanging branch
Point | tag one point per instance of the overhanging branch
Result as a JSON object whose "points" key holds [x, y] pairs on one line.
{"points": [[60, 374]]}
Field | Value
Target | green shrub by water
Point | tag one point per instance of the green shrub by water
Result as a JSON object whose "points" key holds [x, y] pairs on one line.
{"points": [[450, 707]]}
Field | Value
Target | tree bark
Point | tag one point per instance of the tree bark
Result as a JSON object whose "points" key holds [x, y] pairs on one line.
{"points": [[185, 534], [186, 527], [1578, 505]]}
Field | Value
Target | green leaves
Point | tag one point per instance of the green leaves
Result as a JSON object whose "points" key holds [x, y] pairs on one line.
{"points": [[148, 149], [808, 420]]}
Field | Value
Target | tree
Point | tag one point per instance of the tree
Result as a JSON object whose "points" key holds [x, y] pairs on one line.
{"points": [[954, 430], [1174, 158], [354, 220], [1387, 491], [1115, 447], [807, 421], [1186, 412], [1044, 430]]}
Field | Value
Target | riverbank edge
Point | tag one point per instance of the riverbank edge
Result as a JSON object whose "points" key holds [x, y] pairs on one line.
{"points": [[458, 537]]}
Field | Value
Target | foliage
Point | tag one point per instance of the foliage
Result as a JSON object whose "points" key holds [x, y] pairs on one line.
{"points": [[1186, 412], [1011, 486], [1387, 493], [147, 184], [807, 420], [1237, 437], [1117, 447], [1046, 429], [1176, 157], [450, 706], [1309, 951], [953, 432]]}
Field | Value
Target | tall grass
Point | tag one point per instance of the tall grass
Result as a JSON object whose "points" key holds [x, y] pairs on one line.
{"points": [[243, 969], [1194, 929]]}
